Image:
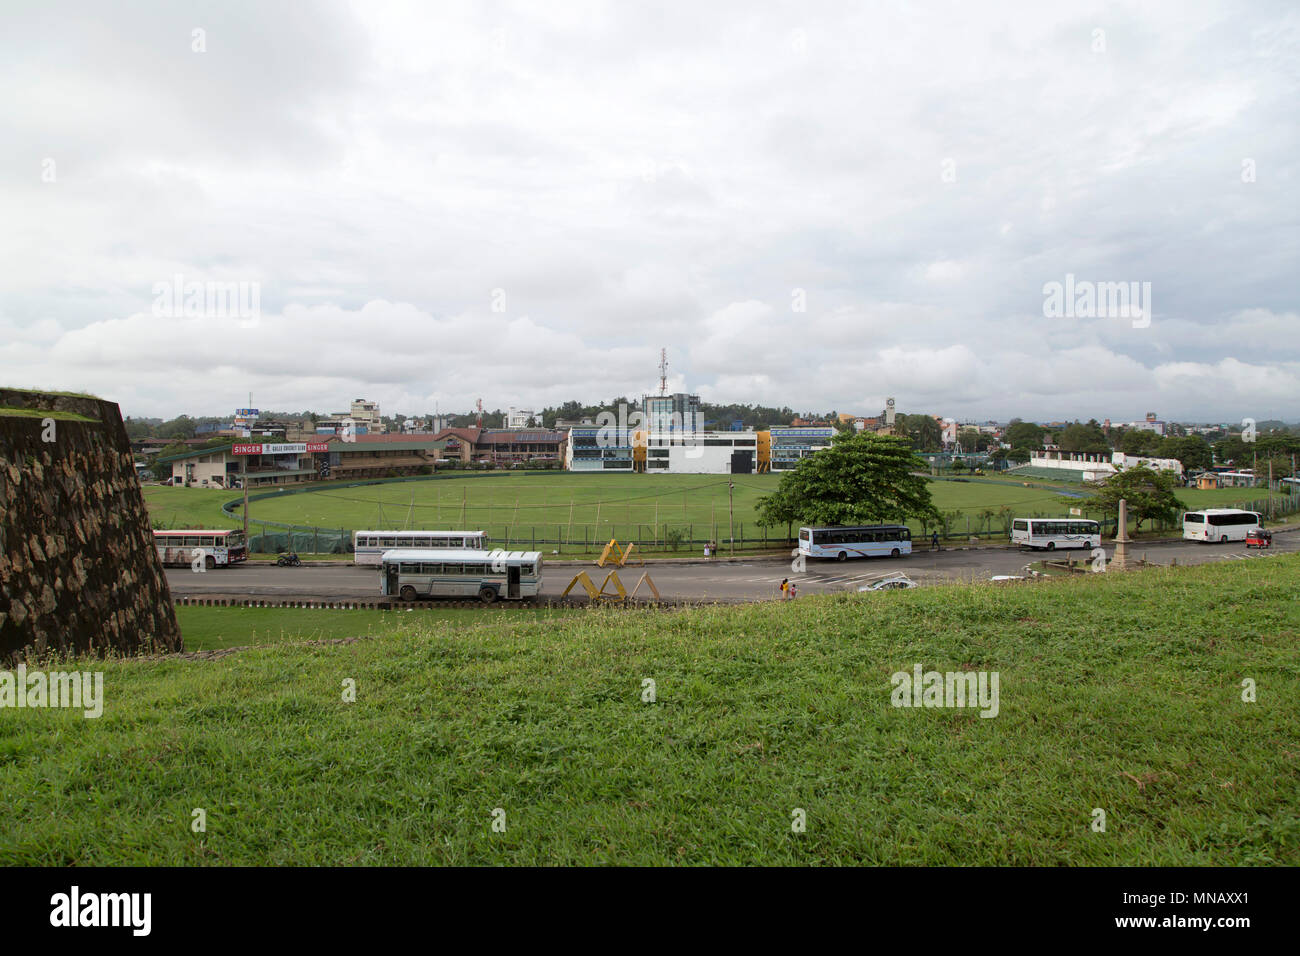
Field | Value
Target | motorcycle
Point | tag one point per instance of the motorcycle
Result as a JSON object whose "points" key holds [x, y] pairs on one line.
{"points": [[290, 560]]}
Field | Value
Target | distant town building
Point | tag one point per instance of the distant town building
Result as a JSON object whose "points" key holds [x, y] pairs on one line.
{"points": [[519, 417], [1093, 466], [1149, 424], [364, 418], [678, 412], [786, 447]]}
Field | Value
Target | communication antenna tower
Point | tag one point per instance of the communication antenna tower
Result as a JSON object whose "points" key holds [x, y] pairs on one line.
{"points": [[663, 371], [479, 406]]}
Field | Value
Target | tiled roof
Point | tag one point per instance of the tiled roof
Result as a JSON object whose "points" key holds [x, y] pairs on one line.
{"points": [[464, 434]]}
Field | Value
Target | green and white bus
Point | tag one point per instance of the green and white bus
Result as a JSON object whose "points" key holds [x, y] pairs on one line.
{"points": [[415, 573]]}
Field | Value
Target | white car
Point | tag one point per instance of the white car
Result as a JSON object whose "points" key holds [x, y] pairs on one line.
{"points": [[895, 583]]}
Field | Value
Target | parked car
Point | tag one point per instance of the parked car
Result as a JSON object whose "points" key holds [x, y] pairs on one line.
{"points": [[896, 582]]}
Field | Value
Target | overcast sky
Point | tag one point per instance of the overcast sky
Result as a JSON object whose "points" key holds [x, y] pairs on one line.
{"points": [[818, 205]]}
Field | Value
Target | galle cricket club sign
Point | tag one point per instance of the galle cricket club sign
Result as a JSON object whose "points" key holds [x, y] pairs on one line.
{"points": [[301, 448]]}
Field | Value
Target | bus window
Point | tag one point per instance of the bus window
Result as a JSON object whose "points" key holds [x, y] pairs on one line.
{"points": [[387, 543], [1020, 525]]}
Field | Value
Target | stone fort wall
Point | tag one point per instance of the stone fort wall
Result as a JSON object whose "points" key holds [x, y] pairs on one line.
{"points": [[78, 569]]}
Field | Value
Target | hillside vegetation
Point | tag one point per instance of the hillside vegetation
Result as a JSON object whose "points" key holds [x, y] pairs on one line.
{"points": [[1118, 692]]}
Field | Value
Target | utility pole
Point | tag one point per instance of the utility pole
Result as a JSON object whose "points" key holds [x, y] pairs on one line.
{"points": [[731, 513]]}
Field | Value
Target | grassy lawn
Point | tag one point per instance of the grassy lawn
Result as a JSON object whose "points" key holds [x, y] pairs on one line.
{"points": [[622, 506], [13, 411], [210, 628], [189, 507], [1117, 691]]}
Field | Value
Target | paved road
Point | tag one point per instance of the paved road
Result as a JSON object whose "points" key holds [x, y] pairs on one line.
{"points": [[725, 581]]}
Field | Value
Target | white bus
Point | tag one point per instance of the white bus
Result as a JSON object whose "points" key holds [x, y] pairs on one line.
{"points": [[857, 541], [1053, 533], [412, 574], [367, 546], [1220, 524], [219, 549]]}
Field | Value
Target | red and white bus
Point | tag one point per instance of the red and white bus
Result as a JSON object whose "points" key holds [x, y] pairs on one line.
{"points": [[218, 549]]}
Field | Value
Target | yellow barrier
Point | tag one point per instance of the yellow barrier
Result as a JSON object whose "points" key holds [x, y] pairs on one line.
{"points": [[621, 555]]}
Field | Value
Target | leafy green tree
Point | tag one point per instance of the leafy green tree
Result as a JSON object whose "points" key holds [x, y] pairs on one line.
{"points": [[1192, 450], [1150, 495], [1025, 435], [1087, 438], [923, 430], [860, 479], [779, 509], [1139, 441]]}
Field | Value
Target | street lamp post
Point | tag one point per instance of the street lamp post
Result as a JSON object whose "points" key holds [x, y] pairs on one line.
{"points": [[731, 525]]}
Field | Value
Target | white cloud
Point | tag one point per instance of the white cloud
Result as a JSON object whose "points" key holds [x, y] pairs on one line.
{"points": [[637, 178]]}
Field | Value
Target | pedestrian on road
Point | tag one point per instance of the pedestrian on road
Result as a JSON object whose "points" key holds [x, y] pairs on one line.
{"points": [[794, 590], [785, 589], [934, 541]]}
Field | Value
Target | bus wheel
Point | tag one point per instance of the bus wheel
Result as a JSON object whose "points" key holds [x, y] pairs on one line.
{"points": [[1223, 539], [895, 553], [487, 595], [1051, 546], [841, 557], [209, 562], [408, 593]]}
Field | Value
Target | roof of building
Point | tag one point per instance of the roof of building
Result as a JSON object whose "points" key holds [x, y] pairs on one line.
{"points": [[469, 434], [498, 436]]}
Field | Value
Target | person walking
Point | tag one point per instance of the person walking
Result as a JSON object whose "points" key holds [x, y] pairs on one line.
{"points": [[934, 541], [794, 590], [785, 589]]}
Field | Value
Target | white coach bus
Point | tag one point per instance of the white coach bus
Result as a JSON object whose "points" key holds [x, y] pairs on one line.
{"points": [[412, 574], [367, 546], [1053, 533], [1220, 524], [857, 541]]}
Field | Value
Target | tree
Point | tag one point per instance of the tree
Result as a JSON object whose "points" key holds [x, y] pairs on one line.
{"points": [[777, 509], [923, 430], [1139, 441], [1025, 435], [1192, 451], [860, 479], [1231, 449], [1150, 494], [1087, 438]]}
